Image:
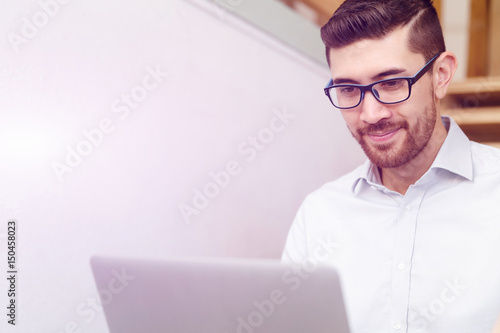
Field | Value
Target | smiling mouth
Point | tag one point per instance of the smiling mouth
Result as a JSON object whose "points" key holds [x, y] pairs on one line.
{"points": [[383, 136]]}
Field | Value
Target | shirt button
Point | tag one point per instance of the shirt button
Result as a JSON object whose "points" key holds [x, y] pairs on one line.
{"points": [[397, 326], [408, 209], [401, 266]]}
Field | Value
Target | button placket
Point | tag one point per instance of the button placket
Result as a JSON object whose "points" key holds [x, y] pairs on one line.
{"points": [[403, 252]]}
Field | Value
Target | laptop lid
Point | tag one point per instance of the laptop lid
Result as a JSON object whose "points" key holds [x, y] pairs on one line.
{"points": [[218, 296]]}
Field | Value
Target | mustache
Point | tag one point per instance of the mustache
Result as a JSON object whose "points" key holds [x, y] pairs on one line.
{"points": [[382, 126]]}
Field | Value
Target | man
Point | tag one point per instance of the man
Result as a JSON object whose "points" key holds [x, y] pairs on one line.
{"points": [[415, 231]]}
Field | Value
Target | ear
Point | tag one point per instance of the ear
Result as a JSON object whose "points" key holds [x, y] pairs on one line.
{"points": [[444, 69]]}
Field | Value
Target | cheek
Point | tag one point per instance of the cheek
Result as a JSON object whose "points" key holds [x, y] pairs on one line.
{"points": [[351, 119], [418, 108], [422, 94]]}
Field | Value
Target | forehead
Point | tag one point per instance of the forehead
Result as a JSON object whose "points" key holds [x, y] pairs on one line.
{"points": [[368, 57]]}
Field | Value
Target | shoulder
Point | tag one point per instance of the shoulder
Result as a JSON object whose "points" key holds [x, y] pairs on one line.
{"points": [[342, 187]]}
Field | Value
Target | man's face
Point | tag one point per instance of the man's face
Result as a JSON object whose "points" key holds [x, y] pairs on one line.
{"points": [[390, 135]]}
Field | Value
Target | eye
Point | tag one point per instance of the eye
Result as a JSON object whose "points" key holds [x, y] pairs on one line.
{"points": [[392, 84], [347, 90]]}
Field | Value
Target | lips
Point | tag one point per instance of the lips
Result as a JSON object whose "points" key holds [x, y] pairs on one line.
{"points": [[383, 136]]}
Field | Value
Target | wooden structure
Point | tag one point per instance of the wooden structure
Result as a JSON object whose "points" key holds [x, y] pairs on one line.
{"points": [[475, 103]]}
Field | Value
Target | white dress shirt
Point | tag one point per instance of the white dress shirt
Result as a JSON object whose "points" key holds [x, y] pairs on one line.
{"points": [[426, 261]]}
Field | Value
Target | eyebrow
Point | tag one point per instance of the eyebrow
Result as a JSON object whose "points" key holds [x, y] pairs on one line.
{"points": [[379, 76]]}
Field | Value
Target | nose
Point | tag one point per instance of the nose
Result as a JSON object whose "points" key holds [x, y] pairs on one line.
{"points": [[372, 111]]}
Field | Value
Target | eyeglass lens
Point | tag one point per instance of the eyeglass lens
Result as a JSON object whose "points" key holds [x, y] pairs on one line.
{"points": [[388, 91]]}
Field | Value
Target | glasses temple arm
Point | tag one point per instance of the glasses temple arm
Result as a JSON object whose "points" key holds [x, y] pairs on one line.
{"points": [[425, 69]]}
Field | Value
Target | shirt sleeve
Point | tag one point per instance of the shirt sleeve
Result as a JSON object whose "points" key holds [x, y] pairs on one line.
{"points": [[295, 250]]}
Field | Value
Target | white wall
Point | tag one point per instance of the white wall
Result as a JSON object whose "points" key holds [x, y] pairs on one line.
{"points": [[219, 83]]}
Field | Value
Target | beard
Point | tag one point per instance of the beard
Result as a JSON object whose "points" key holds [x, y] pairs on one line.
{"points": [[396, 154]]}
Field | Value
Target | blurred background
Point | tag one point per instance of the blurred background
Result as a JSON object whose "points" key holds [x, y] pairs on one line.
{"points": [[186, 128]]}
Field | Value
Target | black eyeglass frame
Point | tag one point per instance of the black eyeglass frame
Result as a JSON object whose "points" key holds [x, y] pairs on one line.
{"points": [[411, 81]]}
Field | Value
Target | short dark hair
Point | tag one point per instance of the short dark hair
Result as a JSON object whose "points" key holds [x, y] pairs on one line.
{"points": [[355, 20]]}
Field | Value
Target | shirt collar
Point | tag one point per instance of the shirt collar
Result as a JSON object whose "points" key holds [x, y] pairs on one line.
{"points": [[454, 156]]}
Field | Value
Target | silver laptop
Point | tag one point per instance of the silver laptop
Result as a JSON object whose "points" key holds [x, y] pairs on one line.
{"points": [[218, 296]]}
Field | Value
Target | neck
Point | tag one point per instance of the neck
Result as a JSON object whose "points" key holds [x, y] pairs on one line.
{"points": [[401, 178]]}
